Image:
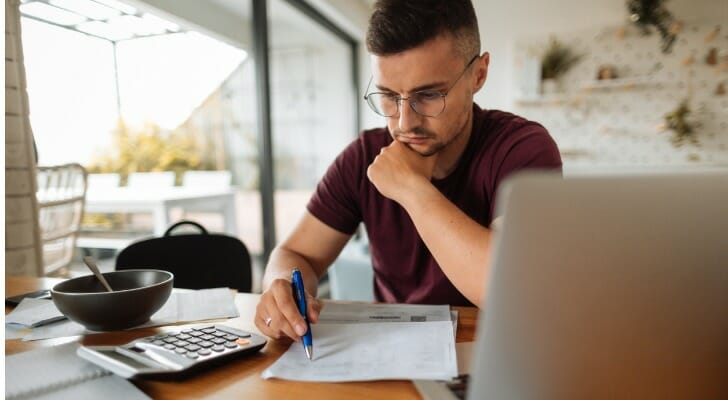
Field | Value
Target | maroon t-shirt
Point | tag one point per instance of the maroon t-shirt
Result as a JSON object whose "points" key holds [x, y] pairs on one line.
{"points": [[404, 269]]}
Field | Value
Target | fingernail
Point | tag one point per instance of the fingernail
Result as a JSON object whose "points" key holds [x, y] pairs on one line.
{"points": [[300, 329]]}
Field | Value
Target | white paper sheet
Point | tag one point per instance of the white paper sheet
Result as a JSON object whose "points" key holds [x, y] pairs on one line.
{"points": [[34, 312], [182, 306], [368, 312], [372, 351]]}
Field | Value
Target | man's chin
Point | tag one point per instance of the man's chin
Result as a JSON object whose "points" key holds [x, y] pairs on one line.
{"points": [[423, 150]]}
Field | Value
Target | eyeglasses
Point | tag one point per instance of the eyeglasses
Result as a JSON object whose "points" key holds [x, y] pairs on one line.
{"points": [[428, 103]]}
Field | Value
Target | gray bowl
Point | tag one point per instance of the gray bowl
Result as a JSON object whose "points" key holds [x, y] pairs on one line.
{"points": [[138, 293]]}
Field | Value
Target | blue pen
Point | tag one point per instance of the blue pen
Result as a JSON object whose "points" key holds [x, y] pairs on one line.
{"points": [[300, 295]]}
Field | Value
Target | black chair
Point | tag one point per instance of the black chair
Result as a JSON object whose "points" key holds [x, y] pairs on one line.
{"points": [[198, 261]]}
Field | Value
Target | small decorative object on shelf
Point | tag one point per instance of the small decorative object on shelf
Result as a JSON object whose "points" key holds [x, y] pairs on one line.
{"points": [[607, 72], [647, 13], [712, 57], [555, 62], [712, 34], [682, 128], [720, 89]]}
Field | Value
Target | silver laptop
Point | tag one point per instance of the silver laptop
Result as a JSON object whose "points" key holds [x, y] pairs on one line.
{"points": [[606, 287]]}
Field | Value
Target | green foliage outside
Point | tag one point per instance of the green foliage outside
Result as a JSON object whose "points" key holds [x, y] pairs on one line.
{"points": [[149, 149], [146, 149]]}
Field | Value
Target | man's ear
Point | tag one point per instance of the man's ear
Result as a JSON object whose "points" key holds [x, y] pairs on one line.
{"points": [[481, 71]]}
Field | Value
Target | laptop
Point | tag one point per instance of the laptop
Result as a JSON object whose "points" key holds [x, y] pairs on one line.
{"points": [[604, 287]]}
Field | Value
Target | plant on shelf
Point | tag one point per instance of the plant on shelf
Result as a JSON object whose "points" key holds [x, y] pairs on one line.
{"points": [[556, 61], [678, 121]]}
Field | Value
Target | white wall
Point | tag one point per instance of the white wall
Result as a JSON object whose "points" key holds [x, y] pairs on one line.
{"points": [[503, 22]]}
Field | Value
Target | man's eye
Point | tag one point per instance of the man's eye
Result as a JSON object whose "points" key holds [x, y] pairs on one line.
{"points": [[425, 96], [390, 96]]}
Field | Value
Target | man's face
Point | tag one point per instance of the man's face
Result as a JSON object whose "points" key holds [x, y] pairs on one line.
{"points": [[434, 65]]}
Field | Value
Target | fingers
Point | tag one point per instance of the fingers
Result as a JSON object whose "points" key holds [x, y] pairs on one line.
{"points": [[277, 303], [314, 308]]}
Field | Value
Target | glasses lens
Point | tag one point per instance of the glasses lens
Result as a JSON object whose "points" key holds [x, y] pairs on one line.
{"points": [[383, 104], [429, 104]]}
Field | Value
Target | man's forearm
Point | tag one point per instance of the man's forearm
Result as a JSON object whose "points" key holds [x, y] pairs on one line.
{"points": [[459, 244], [281, 263]]}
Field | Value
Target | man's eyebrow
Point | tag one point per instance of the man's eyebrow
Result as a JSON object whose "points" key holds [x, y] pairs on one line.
{"points": [[416, 89]]}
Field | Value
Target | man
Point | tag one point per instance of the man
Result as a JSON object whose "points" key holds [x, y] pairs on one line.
{"points": [[425, 185]]}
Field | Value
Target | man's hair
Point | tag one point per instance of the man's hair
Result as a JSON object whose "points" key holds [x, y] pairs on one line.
{"points": [[399, 25]]}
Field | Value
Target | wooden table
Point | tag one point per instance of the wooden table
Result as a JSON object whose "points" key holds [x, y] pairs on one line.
{"points": [[237, 378]]}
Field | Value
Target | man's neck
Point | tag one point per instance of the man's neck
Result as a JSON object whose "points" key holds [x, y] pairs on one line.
{"points": [[449, 157]]}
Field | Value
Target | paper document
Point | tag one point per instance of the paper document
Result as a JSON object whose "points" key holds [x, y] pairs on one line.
{"points": [[371, 351], [367, 312], [34, 312], [182, 306]]}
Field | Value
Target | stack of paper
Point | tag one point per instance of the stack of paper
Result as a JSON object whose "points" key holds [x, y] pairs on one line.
{"points": [[415, 342]]}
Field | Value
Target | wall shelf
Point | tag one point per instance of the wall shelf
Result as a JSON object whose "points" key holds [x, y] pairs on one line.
{"points": [[619, 83], [577, 96]]}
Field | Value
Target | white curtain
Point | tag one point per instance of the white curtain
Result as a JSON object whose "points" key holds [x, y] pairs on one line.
{"points": [[23, 254]]}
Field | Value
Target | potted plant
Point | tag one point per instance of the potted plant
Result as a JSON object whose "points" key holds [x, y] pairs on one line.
{"points": [[555, 62]]}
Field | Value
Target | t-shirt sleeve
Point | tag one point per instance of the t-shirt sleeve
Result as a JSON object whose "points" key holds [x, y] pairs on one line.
{"points": [[531, 147], [336, 199]]}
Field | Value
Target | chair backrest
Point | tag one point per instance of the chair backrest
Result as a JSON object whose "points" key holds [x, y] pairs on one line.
{"points": [[151, 179], [198, 261], [207, 179], [61, 197]]}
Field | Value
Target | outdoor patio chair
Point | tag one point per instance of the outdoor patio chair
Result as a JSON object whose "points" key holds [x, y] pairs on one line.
{"points": [[61, 197]]}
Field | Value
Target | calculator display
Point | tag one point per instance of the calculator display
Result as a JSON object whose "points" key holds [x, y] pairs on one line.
{"points": [[112, 354]]}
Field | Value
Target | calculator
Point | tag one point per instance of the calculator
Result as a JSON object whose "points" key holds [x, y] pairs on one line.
{"points": [[174, 354]]}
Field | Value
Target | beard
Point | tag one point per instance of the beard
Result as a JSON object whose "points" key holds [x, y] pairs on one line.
{"points": [[421, 133]]}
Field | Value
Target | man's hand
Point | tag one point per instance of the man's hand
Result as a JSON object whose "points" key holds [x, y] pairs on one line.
{"points": [[398, 171], [277, 314]]}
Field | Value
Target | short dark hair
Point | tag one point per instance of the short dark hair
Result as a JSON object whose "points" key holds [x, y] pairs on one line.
{"points": [[399, 25]]}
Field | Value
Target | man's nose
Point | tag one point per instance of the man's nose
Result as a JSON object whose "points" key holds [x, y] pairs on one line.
{"points": [[408, 118]]}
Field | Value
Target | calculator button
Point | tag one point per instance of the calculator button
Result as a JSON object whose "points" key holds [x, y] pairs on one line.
{"points": [[206, 344], [230, 337], [246, 335], [203, 352], [207, 337], [180, 351], [219, 333], [191, 354], [187, 331], [230, 345], [158, 342], [196, 333], [183, 336], [202, 328], [242, 342], [194, 340], [209, 330], [170, 339], [169, 346], [180, 343], [218, 348], [218, 340], [192, 347]]}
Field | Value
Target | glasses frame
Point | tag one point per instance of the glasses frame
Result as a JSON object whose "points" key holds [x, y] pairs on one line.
{"points": [[443, 94]]}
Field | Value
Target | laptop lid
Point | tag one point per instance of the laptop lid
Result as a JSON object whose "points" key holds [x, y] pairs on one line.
{"points": [[607, 287]]}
